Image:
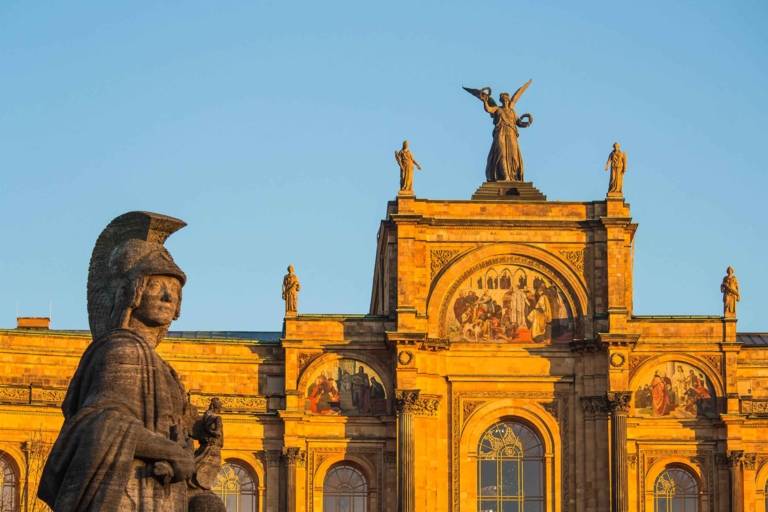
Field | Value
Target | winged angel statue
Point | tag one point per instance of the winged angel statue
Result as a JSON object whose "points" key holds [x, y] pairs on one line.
{"points": [[505, 162]]}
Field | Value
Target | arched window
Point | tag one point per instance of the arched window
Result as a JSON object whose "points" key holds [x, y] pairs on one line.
{"points": [[676, 490], [8, 484], [238, 487], [345, 490], [510, 469]]}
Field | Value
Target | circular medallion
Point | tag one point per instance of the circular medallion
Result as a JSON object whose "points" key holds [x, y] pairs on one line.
{"points": [[617, 360]]}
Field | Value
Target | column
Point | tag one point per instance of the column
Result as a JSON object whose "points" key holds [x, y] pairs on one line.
{"points": [[406, 400], [736, 462], [618, 404], [293, 456], [271, 460]]}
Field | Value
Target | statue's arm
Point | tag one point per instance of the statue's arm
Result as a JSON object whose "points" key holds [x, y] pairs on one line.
{"points": [[491, 109], [115, 387]]}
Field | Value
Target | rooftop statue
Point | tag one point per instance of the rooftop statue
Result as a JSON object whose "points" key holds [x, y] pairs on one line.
{"points": [[405, 160], [617, 164], [730, 290], [127, 439], [505, 162], [291, 287]]}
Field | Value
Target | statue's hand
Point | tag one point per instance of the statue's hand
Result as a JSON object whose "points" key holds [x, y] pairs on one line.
{"points": [[183, 465]]}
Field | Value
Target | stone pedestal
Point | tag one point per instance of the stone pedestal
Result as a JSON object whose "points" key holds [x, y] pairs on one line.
{"points": [[508, 191]]}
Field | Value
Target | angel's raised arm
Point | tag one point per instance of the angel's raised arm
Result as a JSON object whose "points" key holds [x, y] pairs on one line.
{"points": [[483, 95]]}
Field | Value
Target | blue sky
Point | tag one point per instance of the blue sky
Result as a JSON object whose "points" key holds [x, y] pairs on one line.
{"points": [[269, 127]]}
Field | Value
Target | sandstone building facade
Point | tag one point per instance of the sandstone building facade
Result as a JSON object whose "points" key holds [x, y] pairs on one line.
{"points": [[500, 368]]}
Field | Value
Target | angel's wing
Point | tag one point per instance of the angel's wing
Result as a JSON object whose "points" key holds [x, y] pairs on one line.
{"points": [[476, 93], [520, 91]]}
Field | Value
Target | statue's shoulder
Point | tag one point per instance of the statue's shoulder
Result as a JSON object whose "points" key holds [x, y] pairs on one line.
{"points": [[119, 346]]}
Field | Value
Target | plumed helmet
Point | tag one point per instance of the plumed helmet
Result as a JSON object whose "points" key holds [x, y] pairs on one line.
{"points": [[129, 249]]}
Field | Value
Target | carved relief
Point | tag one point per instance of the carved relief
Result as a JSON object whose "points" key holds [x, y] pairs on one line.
{"points": [[303, 359], [15, 394], [715, 360], [617, 360], [439, 258], [55, 396], [469, 407], [754, 407], [636, 361], [405, 357], [231, 403], [575, 258]]}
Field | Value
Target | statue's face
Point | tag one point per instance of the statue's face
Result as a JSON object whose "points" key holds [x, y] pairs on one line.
{"points": [[159, 301]]}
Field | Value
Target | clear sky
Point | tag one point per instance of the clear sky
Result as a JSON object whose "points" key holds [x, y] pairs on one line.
{"points": [[270, 127]]}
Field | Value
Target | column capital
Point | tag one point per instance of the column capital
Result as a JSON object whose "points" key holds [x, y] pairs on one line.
{"points": [[619, 401], [735, 458], [411, 401], [294, 456]]}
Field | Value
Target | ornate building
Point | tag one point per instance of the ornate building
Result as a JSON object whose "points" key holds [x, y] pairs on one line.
{"points": [[500, 368]]}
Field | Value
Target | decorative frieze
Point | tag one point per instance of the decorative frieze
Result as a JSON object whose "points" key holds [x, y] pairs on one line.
{"points": [[231, 403]]}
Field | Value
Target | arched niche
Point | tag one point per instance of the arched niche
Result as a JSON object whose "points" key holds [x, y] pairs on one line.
{"points": [[676, 386], [539, 299], [339, 385], [485, 416]]}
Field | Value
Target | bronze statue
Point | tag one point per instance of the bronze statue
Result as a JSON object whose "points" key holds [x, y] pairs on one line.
{"points": [[731, 295], [505, 161], [617, 164], [405, 160], [127, 438], [291, 287]]}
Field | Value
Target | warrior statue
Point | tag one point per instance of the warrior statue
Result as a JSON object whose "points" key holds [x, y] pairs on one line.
{"points": [[505, 162], [127, 439]]}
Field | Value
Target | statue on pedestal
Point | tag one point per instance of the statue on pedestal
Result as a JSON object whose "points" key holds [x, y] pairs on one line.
{"points": [[405, 160], [291, 287], [127, 439], [617, 164], [731, 295], [505, 161]]}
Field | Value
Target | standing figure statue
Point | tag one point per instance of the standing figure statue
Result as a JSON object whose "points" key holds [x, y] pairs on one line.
{"points": [[405, 160], [617, 164], [291, 287], [127, 439], [731, 295], [505, 161]]}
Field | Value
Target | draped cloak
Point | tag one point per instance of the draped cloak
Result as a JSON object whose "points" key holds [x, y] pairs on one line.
{"points": [[505, 161], [120, 387]]}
